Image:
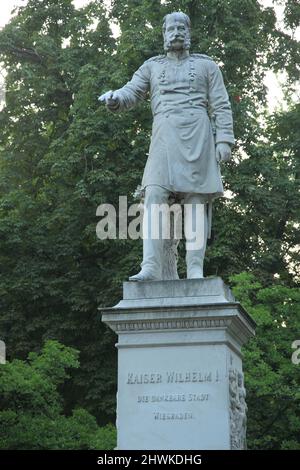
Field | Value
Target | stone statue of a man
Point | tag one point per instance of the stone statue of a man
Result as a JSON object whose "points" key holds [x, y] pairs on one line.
{"points": [[192, 133]]}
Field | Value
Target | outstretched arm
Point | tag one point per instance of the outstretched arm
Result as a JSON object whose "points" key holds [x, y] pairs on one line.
{"points": [[130, 94]]}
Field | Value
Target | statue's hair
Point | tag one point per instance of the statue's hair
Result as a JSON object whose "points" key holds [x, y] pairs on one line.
{"points": [[178, 15]]}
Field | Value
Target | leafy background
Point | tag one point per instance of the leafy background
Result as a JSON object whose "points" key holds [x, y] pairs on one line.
{"points": [[62, 154]]}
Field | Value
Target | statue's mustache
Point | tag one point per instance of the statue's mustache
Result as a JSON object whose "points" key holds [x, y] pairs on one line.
{"points": [[176, 37], [183, 38]]}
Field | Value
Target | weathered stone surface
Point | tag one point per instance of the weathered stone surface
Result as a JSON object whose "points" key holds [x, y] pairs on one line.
{"points": [[180, 365], [192, 133]]}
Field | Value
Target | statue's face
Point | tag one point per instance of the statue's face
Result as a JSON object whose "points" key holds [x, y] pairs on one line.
{"points": [[177, 35]]}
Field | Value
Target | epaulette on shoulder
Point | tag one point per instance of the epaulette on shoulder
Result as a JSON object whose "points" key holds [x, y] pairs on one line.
{"points": [[202, 56], [156, 58]]}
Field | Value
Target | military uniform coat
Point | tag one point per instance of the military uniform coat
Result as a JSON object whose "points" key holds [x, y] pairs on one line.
{"points": [[191, 113]]}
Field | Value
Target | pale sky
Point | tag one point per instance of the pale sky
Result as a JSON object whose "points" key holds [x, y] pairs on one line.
{"points": [[275, 96]]}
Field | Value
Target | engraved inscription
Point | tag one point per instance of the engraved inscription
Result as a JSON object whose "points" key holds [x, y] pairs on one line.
{"points": [[160, 398], [172, 398], [188, 377], [178, 381], [168, 416], [201, 397], [144, 378], [172, 377]]}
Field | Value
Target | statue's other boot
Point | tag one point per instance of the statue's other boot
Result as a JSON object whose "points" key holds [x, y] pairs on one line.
{"points": [[152, 262], [194, 264], [195, 257], [143, 275], [152, 244]]}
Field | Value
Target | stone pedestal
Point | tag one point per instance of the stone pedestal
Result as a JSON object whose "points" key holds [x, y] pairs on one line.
{"points": [[180, 381]]}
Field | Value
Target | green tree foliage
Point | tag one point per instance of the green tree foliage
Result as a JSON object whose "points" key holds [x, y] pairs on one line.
{"points": [[265, 206], [54, 273], [62, 154], [31, 405], [272, 380]]}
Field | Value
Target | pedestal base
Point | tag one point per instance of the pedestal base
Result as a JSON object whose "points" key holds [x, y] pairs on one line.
{"points": [[180, 381]]}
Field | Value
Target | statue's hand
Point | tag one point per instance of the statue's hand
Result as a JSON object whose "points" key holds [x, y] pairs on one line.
{"points": [[223, 152], [110, 98]]}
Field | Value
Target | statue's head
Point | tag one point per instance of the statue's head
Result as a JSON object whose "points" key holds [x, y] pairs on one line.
{"points": [[177, 31]]}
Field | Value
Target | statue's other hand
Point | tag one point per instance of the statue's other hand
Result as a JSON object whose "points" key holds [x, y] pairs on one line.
{"points": [[223, 152], [110, 98]]}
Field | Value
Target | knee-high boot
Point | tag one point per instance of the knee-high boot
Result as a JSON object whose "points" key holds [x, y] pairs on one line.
{"points": [[195, 257], [152, 247]]}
